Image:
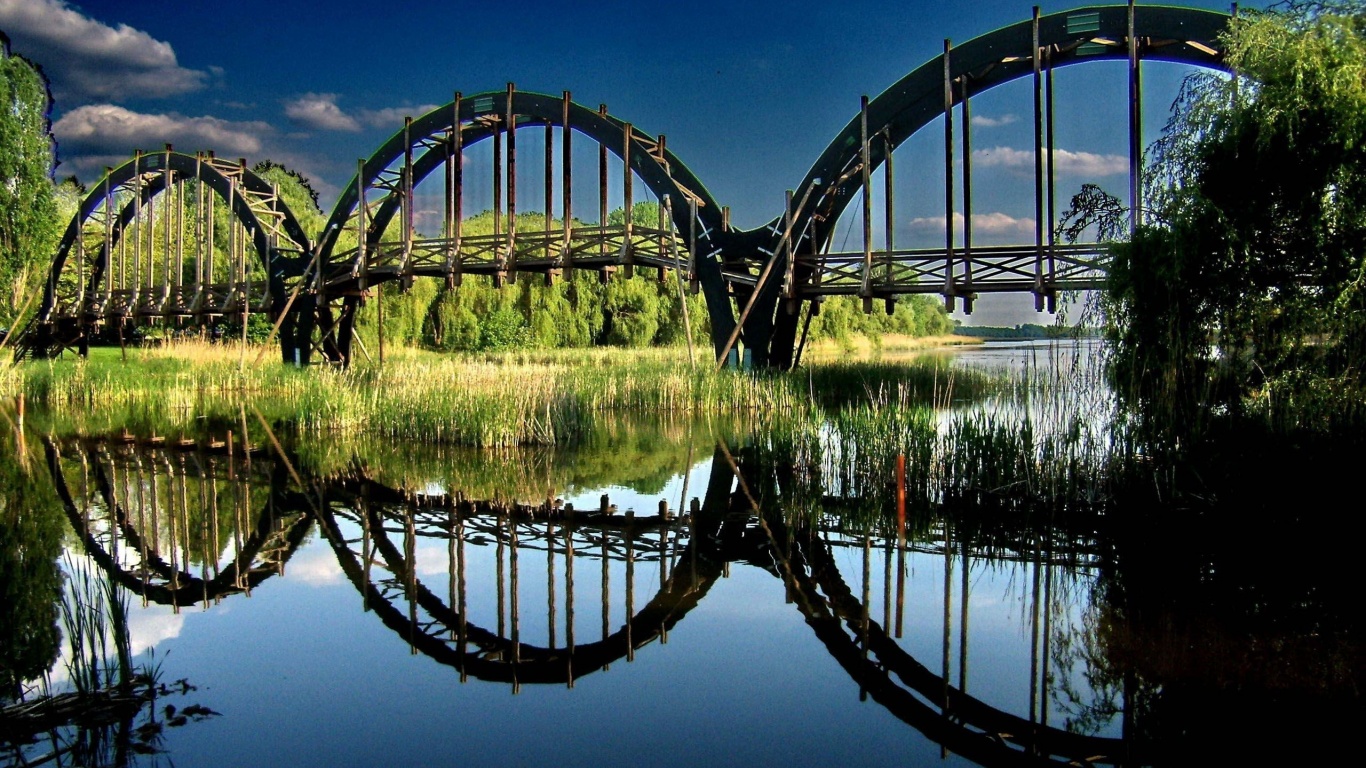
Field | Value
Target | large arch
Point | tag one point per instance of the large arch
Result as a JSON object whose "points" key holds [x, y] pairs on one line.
{"points": [[452, 639], [77, 294], [159, 581], [430, 142], [1078, 36]]}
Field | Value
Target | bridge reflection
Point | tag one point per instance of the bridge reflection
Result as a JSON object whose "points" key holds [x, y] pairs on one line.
{"points": [[197, 523]]}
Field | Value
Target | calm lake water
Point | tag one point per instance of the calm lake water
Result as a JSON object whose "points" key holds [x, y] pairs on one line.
{"points": [[664, 595]]}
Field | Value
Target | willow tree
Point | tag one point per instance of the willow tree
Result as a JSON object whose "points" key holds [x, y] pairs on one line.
{"points": [[1245, 284], [28, 208]]}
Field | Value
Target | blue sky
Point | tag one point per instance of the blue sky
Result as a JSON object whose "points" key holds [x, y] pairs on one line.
{"points": [[748, 93]]}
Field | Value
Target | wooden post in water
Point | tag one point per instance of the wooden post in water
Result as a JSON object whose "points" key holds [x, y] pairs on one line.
{"points": [[550, 558], [630, 595], [569, 597]]}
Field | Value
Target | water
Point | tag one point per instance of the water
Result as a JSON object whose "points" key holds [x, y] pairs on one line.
{"points": [[360, 604]]}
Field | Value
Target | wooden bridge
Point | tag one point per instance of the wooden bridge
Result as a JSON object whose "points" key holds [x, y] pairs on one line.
{"points": [[191, 239]]}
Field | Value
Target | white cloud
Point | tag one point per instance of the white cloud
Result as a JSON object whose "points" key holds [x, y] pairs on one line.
{"points": [[319, 111], [994, 224], [392, 117], [315, 567], [982, 121], [1064, 161], [88, 60], [88, 136]]}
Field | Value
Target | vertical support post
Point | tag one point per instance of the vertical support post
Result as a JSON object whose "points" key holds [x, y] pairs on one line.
{"points": [[167, 189], [180, 242], [208, 234], [512, 186], [448, 210], [948, 613], [661, 245], [693, 284], [566, 182], [361, 227], [889, 217], [950, 288], [457, 186], [137, 226], [108, 239], [549, 194], [963, 620], [1135, 129], [569, 599], [900, 542], [498, 185], [406, 191], [661, 242], [80, 276], [627, 249], [865, 159], [151, 239], [1052, 296], [789, 268], [1038, 164], [232, 238], [199, 245], [682, 297], [1034, 642], [602, 190], [966, 117]]}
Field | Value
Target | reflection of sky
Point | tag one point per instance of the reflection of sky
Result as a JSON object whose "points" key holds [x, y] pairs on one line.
{"points": [[305, 676]]}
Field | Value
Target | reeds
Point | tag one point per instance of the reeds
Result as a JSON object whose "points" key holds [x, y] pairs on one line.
{"points": [[546, 397]]}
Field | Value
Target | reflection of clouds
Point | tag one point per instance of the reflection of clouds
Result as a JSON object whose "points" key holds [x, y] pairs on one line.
{"points": [[432, 560], [146, 628], [152, 625], [315, 566]]}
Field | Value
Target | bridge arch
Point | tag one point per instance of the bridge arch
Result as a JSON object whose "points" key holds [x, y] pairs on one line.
{"points": [[89, 285], [383, 191], [843, 170], [260, 552], [441, 628]]}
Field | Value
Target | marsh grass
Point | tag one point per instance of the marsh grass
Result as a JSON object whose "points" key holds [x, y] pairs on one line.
{"points": [[546, 397]]}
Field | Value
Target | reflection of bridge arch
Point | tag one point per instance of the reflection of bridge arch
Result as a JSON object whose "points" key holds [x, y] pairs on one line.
{"points": [[124, 538], [915, 694], [120, 261], [440, 628], [381, 194]]}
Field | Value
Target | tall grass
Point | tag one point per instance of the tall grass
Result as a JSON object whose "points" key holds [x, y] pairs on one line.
{"points": [[524, 398]]}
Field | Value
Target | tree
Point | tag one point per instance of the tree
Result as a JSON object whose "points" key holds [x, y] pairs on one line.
{"points": [[1246, 284], [29, 226]]}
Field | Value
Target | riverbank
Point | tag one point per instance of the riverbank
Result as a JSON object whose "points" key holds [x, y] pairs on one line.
{"points": [[537, 397]]}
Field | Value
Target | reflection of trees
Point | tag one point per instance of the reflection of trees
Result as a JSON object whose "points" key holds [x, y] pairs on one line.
{"points": [[640, 454], [30, 579], [111, 713]]}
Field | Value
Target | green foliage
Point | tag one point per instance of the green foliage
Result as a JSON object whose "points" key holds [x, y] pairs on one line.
{"points": [[29, 224], [297, 192], [30, 578], [842, 318], [1247, 283]]}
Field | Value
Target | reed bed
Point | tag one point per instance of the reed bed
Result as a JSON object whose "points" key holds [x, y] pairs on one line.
{"points": [[526, 398]]}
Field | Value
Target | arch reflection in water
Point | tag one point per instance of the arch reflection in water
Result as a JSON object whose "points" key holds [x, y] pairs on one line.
{"points": [[385, 539], [506, 592], [180, 525]]}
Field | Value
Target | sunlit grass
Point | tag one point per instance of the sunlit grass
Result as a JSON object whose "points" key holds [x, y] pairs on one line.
{"points": [[537, 397]]}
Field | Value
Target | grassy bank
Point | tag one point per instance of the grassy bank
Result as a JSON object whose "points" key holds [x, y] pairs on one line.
{"points": [[518, 398]]}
